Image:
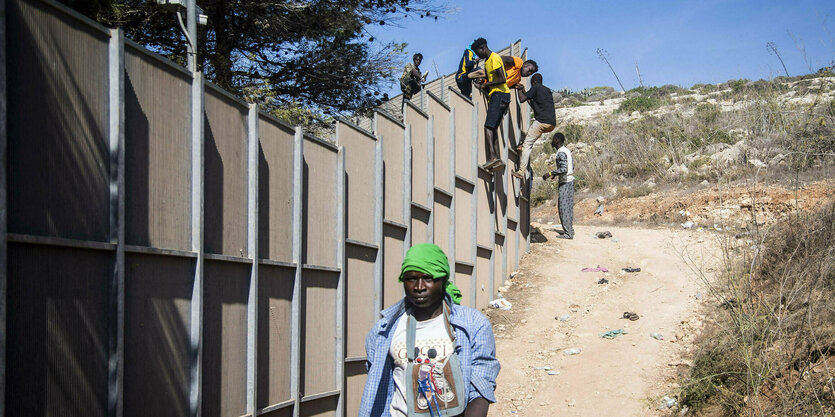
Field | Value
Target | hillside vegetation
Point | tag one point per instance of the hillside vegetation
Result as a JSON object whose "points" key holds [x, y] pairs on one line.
{"points": [[753, 161], [627, 145]]}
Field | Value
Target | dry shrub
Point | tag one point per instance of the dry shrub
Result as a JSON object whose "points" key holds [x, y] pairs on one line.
{"points": [[772, 350]]}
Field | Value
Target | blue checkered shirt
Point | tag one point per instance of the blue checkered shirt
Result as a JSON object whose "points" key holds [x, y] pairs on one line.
{"points": [[474, 343]]}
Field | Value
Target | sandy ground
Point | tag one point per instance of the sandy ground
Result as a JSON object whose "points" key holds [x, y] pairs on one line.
{"points": [[624, 376]]}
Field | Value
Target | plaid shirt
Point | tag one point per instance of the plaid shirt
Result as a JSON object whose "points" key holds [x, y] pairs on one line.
{"points": [[474, 343]]}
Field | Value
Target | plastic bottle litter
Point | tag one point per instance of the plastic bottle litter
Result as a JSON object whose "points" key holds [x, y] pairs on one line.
{"points": [[501, 303], [553, 372], [656, 336], [572, 351], [667, 402], [611, 334], [565, 317], [543, 368], [688, 224]]}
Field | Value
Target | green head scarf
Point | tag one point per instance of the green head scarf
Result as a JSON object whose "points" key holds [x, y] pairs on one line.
{"points": [[430, 260]]}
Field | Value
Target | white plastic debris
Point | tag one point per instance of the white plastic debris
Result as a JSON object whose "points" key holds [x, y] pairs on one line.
{"points": [[501, 303], [688, 224]]}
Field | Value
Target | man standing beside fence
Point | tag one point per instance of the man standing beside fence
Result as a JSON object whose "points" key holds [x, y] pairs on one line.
{"points": [[565, 173], [428, 355]]}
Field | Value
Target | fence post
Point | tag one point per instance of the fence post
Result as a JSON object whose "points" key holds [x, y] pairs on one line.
{"points": [[116, 297], [430, 178], [503, 177], [253, 134], [379, 197], [341, 206], [295, 333], [407, 186], [474, 209], [197, 164], [3, 208], [451, 184]]}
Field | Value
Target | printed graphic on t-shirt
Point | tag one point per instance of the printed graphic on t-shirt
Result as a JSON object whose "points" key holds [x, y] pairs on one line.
{"points": [[432, 380]]}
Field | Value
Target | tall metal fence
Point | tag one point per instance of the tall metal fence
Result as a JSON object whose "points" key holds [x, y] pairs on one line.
{"points": [[171, 250]]}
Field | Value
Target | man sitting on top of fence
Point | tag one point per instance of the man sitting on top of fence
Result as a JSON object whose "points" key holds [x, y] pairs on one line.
{"points": [[427, 355]]}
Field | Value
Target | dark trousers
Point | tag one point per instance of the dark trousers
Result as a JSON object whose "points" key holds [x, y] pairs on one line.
{"points": [[465, 85]]}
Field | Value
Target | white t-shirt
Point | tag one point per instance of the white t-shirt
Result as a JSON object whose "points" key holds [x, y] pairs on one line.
{"points": [[432, 339]]}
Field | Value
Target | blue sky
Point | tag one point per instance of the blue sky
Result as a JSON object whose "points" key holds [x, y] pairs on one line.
{"points": [[673, 42]]}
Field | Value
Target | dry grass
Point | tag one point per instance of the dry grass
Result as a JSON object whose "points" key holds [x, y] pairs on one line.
{"points": [[771, 350]]}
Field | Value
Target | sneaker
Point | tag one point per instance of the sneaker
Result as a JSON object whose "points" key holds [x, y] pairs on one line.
{"points": [[490, 164], [565, 236], [518, 174]]}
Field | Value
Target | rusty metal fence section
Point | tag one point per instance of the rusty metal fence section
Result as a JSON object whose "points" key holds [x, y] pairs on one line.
{"points": [[172, 250]]}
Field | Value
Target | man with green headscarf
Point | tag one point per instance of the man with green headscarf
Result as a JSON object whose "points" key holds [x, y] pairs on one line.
{"points": [[427, 355]]}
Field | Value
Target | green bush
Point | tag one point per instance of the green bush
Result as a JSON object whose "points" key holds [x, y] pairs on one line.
{"points": [[639, 103], [707, 113]]}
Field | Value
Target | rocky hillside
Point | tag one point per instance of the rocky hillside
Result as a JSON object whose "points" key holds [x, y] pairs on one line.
{"points": [[673, 139]]}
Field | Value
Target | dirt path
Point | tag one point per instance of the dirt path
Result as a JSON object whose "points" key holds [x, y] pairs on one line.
{"points": [[624, 376]]}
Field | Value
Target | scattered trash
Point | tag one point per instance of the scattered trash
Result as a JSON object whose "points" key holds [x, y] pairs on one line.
{"points": [[564, 317], [603, 235], [684, 213], [716, 227], [667, 402], [572, 351], [553, 372], [598, 269], [611, 334], [656, 336], [543, 368], [630, 269], [574, 308], [513, 274], [599, 210], [688, 224], [631, 316], [501, 303], [699, 295], [603, 281]]}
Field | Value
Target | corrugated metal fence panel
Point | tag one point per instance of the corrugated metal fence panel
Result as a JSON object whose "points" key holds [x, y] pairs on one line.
{"points": [[499, 253], [418, 120], [393, 247], [226, 286], [319, 332], [392, 135], [225, 175], [440, 131], [463, 281], [464, 238], [56, 361], [440, 221], [275, 295], [157, 153], [157, 343], [275, 190], [355, 376], [483, 278], [360, 288], [359, 181], [319, 205], [57, 124], [463, 136]]}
